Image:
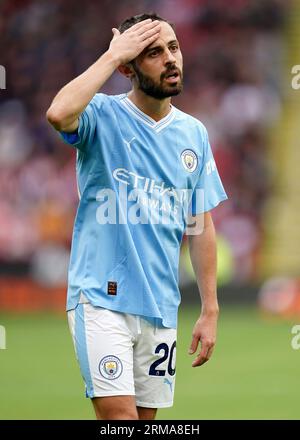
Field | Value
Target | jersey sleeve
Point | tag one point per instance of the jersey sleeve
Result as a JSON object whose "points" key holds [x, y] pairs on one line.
{"points": [[88, 121], [209, 190]]}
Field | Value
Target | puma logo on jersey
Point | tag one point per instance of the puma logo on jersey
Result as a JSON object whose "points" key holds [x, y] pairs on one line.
{"points": [[168, 382], [127, 143]]}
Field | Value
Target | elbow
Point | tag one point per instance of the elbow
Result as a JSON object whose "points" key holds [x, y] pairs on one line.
{"points": [[55, 118]]}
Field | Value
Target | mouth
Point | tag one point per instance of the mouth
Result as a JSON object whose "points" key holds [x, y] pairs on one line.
{"points": [[172, 77]]}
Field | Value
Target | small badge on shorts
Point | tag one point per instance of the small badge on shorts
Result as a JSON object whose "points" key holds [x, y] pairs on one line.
{"points": [[112, 287], [110, 367]]}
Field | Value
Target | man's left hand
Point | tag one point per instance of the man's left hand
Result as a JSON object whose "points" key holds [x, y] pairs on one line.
{"points": [[205, 331]]}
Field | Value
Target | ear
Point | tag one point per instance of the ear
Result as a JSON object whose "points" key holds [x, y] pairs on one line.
{"points": [[126, 70]]}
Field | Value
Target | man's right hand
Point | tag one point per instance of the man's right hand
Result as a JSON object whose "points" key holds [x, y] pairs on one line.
{"points": [[73, 98], [128, 45]]}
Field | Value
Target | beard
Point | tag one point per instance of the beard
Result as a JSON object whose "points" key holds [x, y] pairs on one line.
{"points": [[158, 90]]}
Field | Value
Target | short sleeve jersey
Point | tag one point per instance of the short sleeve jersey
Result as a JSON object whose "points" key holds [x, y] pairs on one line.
{"points": [[136, 177]]}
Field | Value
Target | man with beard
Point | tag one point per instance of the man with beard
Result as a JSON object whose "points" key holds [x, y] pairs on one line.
{"points": [[140, 163]]}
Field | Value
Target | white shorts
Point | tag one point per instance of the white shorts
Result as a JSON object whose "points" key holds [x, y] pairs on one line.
{"points": [[123, 354]]}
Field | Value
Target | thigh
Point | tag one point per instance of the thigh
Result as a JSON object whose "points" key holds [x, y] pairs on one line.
{"points": [[115, 408], [154, 366], [104, 349], [146, 413]]}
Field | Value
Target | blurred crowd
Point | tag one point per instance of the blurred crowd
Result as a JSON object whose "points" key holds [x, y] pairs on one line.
{"points": [[233, 54]]}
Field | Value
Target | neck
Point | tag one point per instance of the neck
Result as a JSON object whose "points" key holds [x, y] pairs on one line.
{"points": [[155, 108]]}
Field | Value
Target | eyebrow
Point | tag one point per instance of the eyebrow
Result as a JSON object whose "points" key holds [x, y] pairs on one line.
{"points": [[148, 49]]}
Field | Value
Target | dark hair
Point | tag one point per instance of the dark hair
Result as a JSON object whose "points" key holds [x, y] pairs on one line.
{"points": [[126, 24]]}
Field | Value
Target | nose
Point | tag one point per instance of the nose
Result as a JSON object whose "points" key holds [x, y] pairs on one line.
{"points": [[169, 57]]}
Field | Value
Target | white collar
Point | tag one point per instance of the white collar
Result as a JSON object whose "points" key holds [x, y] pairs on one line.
{"points": [[155, 125]]}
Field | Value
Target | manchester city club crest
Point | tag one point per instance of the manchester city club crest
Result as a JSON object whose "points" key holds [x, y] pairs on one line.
{"points": [[189, 160], [110, 367]]}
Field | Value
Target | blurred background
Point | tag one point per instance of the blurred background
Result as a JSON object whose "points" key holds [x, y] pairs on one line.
{"points": [[237, 73]]}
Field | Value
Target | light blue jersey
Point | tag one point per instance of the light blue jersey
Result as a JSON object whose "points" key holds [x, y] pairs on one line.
{"points": [[135, 177]]}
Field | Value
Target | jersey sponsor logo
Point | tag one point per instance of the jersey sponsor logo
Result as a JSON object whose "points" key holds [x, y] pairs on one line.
{"points": [[153, 199], [145, 184], [143, 200], [110, 367], [189, 160]]}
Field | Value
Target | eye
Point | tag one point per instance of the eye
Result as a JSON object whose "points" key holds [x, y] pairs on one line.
{"points": [[173, 48], [153, 53]]}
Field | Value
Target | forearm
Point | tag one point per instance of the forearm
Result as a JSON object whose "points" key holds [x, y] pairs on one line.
{"points": [[72, 99], [204, 261]]}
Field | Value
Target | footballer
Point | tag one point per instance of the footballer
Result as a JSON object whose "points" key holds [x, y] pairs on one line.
{"points": [[140, 162]]}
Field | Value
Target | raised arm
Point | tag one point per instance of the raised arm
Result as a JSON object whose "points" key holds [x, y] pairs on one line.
{"points": [[73, 98], [203, 257]]}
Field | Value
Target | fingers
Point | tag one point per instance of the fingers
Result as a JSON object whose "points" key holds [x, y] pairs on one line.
{"points": [[133, 41], [115, 32], [144, 26], [204, 355], [154, 25], [194, 345], [139, 24], [150, 33]]}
